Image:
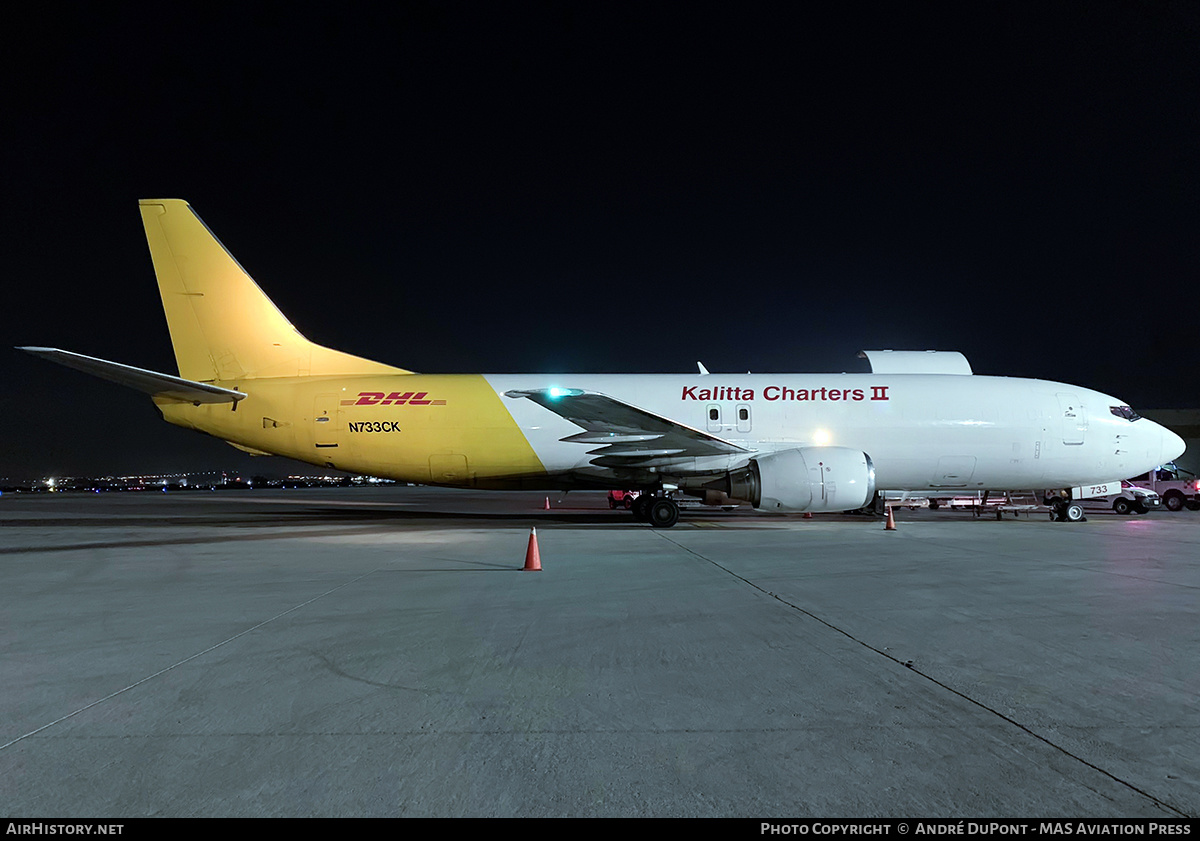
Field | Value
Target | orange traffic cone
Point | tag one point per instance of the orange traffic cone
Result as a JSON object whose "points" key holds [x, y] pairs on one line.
{"points": [[891, 520], [547, 508], [533, 560], [808, 515]]}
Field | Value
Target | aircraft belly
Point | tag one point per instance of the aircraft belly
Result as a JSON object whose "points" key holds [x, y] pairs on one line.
{"points": [[954, 457]]}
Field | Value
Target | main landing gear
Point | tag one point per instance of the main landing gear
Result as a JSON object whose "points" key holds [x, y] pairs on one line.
{"points": [[662, 512]]}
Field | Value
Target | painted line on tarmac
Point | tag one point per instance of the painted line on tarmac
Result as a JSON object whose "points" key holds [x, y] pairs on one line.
{"points": [[908, 665]]}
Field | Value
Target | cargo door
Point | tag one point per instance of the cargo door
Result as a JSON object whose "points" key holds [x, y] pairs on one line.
{"points": [[954, 471]]}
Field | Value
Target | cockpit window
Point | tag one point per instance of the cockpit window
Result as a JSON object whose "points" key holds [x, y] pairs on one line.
{"points": [[1125, 412]]}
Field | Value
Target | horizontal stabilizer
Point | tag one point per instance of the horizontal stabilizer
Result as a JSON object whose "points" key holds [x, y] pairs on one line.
{"points": [[150, 382]]}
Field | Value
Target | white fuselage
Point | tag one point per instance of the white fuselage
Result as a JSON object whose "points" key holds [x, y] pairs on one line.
{"points": [[934, 431]]}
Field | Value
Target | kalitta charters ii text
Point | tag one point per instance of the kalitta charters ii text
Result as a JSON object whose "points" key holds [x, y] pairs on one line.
{"points": [[785, 393]]}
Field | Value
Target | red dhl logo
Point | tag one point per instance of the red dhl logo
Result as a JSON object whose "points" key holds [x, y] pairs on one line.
{"points": [[377, 398]]}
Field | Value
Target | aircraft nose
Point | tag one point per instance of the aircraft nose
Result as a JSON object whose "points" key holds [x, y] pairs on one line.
{"points": [[1172, 446]]}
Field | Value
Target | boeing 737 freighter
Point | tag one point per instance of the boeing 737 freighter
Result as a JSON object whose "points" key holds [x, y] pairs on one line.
{"points": [[782, 442]]}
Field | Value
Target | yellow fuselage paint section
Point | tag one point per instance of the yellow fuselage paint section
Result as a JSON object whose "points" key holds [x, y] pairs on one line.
{"points": [[436, 429]]}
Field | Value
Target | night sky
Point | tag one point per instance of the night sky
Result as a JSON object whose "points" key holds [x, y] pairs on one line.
{"points": [[593, 188]]}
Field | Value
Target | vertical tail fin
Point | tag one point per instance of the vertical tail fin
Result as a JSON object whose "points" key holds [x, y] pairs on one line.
{"points": [[222, 325]]}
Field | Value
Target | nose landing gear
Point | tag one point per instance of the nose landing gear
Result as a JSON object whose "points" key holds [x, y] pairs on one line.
{"points": [[1067, 511]]}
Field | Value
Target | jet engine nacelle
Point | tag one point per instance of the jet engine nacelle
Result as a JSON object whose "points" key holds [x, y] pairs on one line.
{"points": [[806, 479]]}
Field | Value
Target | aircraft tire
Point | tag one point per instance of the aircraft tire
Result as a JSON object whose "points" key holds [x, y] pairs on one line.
{"points": [[663, 513], [1073, 513]]}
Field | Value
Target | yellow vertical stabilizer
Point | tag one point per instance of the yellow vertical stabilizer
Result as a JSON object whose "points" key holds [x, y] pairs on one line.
{"points": [[222, 325]]}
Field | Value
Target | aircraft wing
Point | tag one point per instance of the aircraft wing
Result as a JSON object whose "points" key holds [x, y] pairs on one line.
{"points": [[150, 382], [627, 436]]}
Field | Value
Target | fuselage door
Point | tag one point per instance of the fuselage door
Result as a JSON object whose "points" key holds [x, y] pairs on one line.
{"points": [[713, 413], [1074, 418], [449, 469], [325, 421]]}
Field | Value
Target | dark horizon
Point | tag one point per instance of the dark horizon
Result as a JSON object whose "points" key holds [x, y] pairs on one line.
{"points": [[459, 189]]}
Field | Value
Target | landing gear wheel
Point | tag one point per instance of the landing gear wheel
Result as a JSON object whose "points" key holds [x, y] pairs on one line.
{"points": [[1068, 512], [663, 513]]}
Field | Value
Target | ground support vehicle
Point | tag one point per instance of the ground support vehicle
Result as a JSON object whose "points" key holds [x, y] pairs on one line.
{"points": [[622, 499], [1178, 488], [1127, 498]]}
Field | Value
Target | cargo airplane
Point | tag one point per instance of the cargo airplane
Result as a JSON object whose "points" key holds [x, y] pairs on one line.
{"points": [[782, 442]]}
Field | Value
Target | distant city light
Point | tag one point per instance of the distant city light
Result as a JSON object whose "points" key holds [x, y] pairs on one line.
{"points": [[186, 482]]}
